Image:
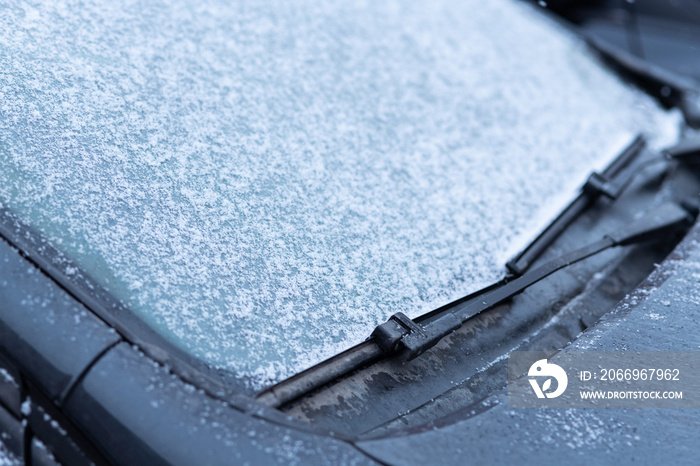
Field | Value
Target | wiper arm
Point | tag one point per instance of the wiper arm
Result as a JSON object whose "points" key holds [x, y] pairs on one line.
{"points": [[407, 338]]}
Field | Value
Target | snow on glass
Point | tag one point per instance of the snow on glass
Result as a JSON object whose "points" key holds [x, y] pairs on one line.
{"points": [[264, 182]]}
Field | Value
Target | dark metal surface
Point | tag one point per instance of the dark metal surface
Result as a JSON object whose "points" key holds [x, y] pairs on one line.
{"points": [[50, 336], [41, 455], [67, 442], [488, 432], [10, 394], [12, 432], [139, 413]]}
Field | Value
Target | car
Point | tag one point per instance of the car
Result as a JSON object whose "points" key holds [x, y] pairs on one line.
{"points": [[321, 233]]}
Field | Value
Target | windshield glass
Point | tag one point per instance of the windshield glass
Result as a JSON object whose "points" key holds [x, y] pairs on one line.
{"points": [[264, 182]]}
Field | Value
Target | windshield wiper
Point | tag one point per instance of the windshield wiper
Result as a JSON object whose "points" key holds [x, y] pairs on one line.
{"points": [[407, 338], [402, 336], [608, 183], [673, 90]]}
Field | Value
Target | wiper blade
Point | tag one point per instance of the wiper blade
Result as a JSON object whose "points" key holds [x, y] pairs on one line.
{"points": [[400, 335], [671, 89], [408, 338], [609, 183]]}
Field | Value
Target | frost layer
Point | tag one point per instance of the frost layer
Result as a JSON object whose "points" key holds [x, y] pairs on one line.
{"points": [[263, 183]]}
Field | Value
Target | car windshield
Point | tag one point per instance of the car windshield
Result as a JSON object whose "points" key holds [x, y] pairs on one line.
{"points": [[264, 182]]}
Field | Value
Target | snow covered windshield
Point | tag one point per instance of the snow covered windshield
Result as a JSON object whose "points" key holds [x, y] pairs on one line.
{"points": [[264, 182]]}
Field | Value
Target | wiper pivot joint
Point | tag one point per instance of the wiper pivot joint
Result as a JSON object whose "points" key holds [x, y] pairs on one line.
{"points": [[408, 339], [598, 185]]}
